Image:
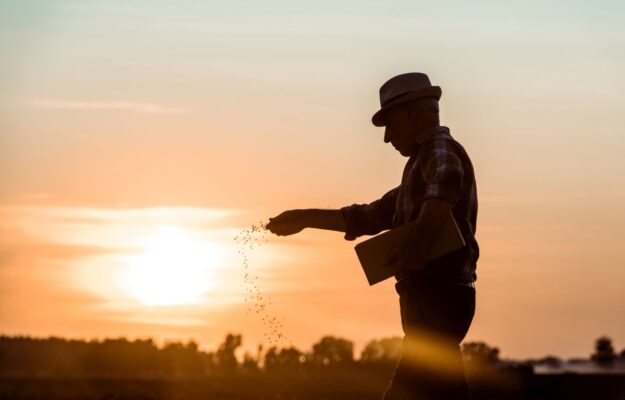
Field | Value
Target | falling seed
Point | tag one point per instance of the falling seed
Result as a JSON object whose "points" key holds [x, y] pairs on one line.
{"points": [[249, 239]]}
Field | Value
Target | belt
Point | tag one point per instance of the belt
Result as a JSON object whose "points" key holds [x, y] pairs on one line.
{"points": [[405, 283]]}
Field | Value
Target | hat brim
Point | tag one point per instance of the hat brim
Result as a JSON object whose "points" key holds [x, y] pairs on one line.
{"points": [[432, 91]]}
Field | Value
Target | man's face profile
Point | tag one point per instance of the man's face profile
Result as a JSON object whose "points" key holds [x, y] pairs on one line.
{"points": [[401, 127], [404, 122]]}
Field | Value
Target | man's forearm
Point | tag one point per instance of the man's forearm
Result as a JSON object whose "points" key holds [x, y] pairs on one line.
{"points": [[293, 221], [331, 220]]}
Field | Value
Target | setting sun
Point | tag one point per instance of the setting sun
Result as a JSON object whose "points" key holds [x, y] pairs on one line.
{"points": [[174, 268]]}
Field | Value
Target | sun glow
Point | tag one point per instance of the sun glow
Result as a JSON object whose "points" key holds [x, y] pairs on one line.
{"points": [[175, 268]]}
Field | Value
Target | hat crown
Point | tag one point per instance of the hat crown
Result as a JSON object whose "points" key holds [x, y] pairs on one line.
{"points": [[403, 84]]}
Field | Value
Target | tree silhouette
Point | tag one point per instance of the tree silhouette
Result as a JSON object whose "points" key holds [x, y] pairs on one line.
{"points": [[249, 364], [604, 352], [225, 354], [383, 351], [183, 359], [331, 350], [479, 355], [284, 359]]}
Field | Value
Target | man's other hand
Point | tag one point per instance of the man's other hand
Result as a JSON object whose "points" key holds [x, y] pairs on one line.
{"points": [[288, 223]]}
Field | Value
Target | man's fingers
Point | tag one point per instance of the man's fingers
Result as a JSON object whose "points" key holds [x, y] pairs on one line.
{"points": [[284, 224], [283, 230], [279, 230]]}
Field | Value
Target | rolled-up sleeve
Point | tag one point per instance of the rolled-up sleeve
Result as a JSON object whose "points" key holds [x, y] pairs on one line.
{"points": [[442, 171], [370, 219]]}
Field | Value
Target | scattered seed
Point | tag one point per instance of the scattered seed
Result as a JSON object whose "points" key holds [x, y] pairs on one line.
{"points": [[249, 239]]}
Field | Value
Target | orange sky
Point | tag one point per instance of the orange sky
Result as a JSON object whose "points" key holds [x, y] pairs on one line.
{"points": [[121, 123]]}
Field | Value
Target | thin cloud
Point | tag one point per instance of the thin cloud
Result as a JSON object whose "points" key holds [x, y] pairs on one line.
{"points": [[103, 230], [130, 106], [54, 251], [142, 214]]}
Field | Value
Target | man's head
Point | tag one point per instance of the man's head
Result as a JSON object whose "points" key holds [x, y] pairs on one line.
{"points": [[409, 105], [404, 122]]}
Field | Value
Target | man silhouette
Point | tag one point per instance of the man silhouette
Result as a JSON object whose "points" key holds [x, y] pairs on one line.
{"points": [[437, 300]]}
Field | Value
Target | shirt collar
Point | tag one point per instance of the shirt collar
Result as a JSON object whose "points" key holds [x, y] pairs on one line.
{"points": [[427, 134]]}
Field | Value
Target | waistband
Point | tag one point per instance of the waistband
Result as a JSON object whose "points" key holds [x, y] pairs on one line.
{"points": [[403, 284]]}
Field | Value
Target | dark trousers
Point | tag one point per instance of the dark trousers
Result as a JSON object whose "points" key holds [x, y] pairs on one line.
{"points": [[435, 318]]}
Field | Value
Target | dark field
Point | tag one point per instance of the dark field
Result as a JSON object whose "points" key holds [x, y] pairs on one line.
{"points": [[338, 386], [55, 369]]}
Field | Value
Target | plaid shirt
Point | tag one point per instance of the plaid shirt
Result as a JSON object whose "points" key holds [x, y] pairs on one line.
{"points": [[441, 169]]}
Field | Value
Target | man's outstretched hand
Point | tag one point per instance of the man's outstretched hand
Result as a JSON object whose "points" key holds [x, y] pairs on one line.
{"points": [[288, 223]]}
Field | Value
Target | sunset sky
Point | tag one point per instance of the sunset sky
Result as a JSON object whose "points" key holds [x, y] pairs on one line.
{"points": [[137, 139]]}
